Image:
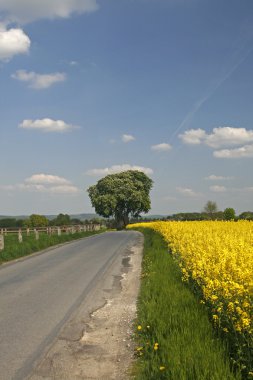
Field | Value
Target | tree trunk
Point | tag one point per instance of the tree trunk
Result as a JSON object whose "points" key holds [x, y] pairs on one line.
{"points": [[121, 221]]}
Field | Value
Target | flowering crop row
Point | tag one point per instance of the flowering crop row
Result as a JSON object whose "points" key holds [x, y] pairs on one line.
{"points": [[218, 257]]}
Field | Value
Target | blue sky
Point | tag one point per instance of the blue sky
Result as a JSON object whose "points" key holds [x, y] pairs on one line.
{"points": [[90, 88]]}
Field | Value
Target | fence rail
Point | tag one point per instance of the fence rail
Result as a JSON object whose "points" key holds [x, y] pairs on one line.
{"points": [[48, 230]]}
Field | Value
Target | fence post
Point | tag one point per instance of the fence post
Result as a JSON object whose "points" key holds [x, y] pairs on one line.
{"points": [[59, 231], [36, 234], [20, 237], [1, 242], [28, 231]]}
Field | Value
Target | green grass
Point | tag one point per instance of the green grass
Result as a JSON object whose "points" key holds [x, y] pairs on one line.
{"points": [[14, 250], [171, 315]]}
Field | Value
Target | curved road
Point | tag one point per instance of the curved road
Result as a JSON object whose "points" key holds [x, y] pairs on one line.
{"points": [[40, 293]]}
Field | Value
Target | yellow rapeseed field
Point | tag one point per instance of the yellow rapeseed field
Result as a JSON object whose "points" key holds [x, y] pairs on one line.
{"points": [[218, 256]]}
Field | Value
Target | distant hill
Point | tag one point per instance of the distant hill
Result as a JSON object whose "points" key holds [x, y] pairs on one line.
{"points": [[154, 216], [50, 217]]}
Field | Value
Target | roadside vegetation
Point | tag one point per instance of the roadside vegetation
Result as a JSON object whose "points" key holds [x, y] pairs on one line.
{"points": [[14, 250], [174, 337]]}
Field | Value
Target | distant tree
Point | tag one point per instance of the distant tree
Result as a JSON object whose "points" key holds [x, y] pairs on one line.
{"points": [[184, 216], [96, 220], [61, 220], [229, 214], [247, 215], [19, 223], [210, 209], [75, 221], [36, 220], [121, 195], [8, 223]]}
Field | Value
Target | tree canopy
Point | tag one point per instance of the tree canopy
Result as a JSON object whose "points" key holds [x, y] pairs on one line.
{"points": [[36, 220], [61, 220], [120, 195], [211, 208], [229, 213]]}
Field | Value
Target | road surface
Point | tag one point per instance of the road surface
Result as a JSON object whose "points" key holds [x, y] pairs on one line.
{"points": [[39, 294]]}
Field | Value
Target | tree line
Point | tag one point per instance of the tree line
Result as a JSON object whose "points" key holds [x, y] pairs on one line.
{"points": [[210, 212], [36, 220]]}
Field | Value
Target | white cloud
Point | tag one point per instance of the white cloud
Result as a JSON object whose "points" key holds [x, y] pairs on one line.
{"points": [[44, 183], [61, 189], [127, 138], [47, 179], [163, 147], [242, 152], [188, 192], [31, 187], [39, 81], [214, 177], [193, 136], [221, 136], [30, 10], [13, 42], [46, 125], [117, 169], [218, 189]]}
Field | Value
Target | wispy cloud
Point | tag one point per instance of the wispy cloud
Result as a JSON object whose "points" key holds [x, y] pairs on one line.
{"points": [[163, 147], [39, 81], [127, 138], [186, 191], [242, 152], [117, 169], [47, 179], [218, 189], [214, 177], [47, 125], [44, 183], [242, 56], [31, 10]]}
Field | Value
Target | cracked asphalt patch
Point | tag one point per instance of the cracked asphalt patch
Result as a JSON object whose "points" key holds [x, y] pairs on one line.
{"points": [[97, 342]]}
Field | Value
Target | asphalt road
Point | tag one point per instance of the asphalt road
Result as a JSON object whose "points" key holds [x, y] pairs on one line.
{"points": [[39, 294]]}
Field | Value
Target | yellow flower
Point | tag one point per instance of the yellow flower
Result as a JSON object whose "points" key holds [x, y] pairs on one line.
{"points": [[218, 256], [162, 368], [139, 327], [156, 346]]}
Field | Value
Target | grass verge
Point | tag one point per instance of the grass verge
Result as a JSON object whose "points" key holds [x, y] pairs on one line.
{"points": [[14, 250], [175, 339]]}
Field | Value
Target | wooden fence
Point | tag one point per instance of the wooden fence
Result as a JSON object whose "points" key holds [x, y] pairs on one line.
{"points": [[48, 230]]}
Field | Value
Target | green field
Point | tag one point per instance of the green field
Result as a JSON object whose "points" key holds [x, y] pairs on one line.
{"points": [[14, 250]]}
